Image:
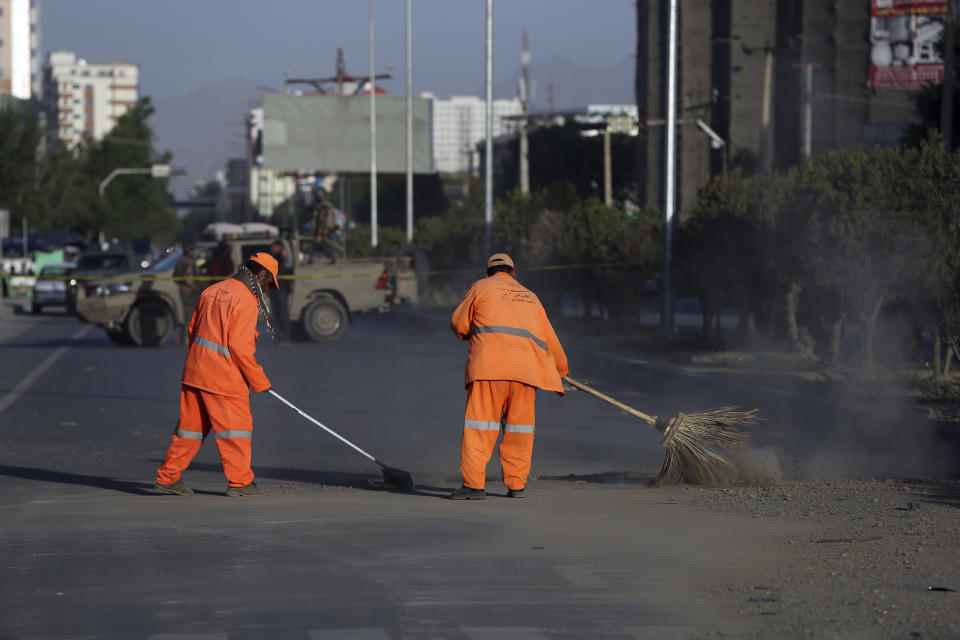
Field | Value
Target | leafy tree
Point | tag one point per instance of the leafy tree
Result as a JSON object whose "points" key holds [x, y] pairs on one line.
{"points": [[133, 206], [719, 254], [868, 249], [20, 139], [933, 186], [58, 189]]}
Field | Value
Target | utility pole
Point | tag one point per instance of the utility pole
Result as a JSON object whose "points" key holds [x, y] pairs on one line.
{"points": [[949, 74], [808, 110], [806, 124], [488, 169], [373, 140], [525, 110], [670, 167], [766, 160], [409, 140]]}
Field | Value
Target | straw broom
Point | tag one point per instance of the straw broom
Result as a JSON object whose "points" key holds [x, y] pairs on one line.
{"points": [[698, 444]]}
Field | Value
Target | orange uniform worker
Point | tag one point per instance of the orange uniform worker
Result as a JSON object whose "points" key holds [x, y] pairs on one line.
{"points": [[513, 352], [220, 367]]}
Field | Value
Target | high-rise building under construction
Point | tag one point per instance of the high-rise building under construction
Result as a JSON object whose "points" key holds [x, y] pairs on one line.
{"points": [[778, 81]]}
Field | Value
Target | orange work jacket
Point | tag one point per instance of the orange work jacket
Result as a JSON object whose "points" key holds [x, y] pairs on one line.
{"points": [[223, 333], [510, 335]]}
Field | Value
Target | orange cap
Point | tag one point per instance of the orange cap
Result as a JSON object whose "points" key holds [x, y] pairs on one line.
{"points": [[500, 259], [269, 263]]}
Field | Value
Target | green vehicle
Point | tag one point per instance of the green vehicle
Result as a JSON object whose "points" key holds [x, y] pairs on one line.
{"points": [[143, 308]]}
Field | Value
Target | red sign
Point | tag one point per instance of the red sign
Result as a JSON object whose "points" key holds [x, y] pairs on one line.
{"points": [[903, 39], [913, 77], [885, 8]]}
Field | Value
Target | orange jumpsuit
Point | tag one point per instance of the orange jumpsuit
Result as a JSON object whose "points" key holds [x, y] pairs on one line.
{"points": [[513, 352], [220, 367]]}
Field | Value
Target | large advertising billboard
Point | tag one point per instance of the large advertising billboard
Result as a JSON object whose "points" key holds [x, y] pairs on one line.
{"points": [[332, 134], [903, 37]]}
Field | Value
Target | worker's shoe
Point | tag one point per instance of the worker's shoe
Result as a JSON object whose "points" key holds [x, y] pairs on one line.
{"points": [[252, 489], [515, 493], [466, 493], [174, 488]]}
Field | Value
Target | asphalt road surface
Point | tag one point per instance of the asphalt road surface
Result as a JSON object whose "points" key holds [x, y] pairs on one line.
{"points": [[87, 550]]}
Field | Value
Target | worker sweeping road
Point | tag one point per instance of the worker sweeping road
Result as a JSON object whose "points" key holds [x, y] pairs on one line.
{"points": [[220, 367], [513, 352]]}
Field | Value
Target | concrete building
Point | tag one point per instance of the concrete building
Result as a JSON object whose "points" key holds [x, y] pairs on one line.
{"points": [[19, 47], [460, 123], [87, 99], [735, 55]]}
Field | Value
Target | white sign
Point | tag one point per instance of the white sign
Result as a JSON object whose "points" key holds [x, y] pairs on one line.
{"points": [[4, 224], [160, 171]]}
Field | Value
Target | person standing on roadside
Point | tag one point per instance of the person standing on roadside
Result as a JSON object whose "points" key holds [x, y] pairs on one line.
{"points": [[218, 374], [185, 273], [220, 265], [280, 297], [513, 352]]}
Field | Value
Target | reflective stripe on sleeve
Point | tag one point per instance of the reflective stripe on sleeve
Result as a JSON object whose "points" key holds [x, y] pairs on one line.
{"points": [[519, 428], [481, 425], [189, 435], [513, 331], [210, 344], [233, 433]]}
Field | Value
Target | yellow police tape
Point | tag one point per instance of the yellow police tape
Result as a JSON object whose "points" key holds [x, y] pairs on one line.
{"points": [[318, 276]]}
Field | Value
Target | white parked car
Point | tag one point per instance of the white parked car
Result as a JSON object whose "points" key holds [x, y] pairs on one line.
{"points": [[51, 285]]}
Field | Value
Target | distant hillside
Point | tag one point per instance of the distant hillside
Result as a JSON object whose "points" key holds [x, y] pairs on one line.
{"points": [[204, 128]]}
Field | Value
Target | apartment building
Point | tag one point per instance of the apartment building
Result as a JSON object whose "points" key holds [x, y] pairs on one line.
{"points": [[460, 123], [19, 47], [86, 99]]}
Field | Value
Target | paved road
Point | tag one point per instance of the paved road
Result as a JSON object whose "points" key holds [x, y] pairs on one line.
{"points": [[86, 549]]}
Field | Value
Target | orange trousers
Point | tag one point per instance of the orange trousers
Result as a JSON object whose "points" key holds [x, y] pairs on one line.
{"points": [[232, 427], [494, 406]]}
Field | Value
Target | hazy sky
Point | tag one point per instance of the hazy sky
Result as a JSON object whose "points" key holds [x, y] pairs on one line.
{"points": [[181, 45]]}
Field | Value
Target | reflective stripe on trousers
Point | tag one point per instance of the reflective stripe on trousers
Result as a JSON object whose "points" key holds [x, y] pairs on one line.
{"points": [[495, 426], [233, 433], [512, 331], [210, 344]]}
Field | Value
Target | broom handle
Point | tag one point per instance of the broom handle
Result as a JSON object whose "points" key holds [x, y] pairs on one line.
{"points": [[324, 427], [619, 405]]}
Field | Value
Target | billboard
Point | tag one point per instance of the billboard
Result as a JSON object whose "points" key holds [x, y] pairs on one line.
{"points": [[332, 134], [903, 37]]}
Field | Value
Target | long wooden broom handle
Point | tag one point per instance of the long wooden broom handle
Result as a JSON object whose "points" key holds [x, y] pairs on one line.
{"points": [[651, 420]]}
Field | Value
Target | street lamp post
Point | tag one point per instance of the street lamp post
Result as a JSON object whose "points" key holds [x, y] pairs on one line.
{"points": [[155, 171], [409, 140], [488, 172], [373, 141], [670, 166]]}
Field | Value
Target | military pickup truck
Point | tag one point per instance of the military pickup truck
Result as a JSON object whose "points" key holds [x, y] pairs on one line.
{"points": [[143, 308]]}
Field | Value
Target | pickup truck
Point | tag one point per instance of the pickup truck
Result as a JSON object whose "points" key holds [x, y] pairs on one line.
{"points": [[143, 308]]}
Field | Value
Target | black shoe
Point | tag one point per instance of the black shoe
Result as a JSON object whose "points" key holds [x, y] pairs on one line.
{"points": [[466, 493], [250, 490], [174, 488], [515, 493]]}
